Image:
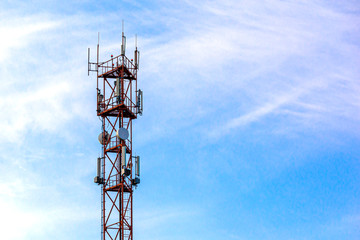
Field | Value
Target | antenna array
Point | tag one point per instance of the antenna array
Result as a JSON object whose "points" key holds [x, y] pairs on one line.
{"points": [[119, 102]]}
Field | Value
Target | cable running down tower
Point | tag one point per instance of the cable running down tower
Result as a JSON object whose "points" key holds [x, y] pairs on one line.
{"points": [[119, 102]]}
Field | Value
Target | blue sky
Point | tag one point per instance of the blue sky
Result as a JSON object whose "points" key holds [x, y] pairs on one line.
{"points": [[250, 127]]}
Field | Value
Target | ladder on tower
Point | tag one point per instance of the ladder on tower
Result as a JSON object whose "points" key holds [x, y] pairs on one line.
{"points": [[102, 213]]}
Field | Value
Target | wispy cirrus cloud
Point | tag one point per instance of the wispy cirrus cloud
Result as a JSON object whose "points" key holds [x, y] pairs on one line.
{"points": [[210, 65], [39, 90], [43, 91], [224, 51], [19, 32]]}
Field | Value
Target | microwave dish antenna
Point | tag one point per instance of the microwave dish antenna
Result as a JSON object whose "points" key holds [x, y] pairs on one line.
{"points": [[122, 133]]}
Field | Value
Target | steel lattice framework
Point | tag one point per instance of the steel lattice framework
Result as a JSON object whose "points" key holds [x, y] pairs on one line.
{"points": [[119, 102]]}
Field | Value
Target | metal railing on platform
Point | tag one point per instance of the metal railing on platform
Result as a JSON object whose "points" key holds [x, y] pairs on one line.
{"points": [[116, 62]]}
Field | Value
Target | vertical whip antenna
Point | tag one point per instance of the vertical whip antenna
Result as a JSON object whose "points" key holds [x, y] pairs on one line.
{"points": [[123, 26], [88, 61], [123, 40], [93, 66], [98, 46]]}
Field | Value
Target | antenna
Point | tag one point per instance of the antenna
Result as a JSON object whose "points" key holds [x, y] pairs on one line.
{"points": [[123, 40], [136, 54], [93, 66], [122, 133], [117, 169], [88, 61], [98, 47], [139, 102]]}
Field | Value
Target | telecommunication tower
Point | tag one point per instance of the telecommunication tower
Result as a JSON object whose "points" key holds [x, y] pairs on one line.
{"points": [[119, 102]]}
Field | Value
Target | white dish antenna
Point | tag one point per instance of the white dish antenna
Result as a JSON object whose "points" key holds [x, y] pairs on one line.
{"points": [[122, 133], [103, 137]]}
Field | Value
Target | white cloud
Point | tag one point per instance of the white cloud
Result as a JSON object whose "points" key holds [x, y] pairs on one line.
{"points": [[45, 87], [35, 222], [255, 54], [44, 98], [20, 32], [11, 216], [245, 59]]}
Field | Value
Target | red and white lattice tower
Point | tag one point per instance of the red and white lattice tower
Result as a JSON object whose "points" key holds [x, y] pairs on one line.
{"points": [[119, 102]]}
